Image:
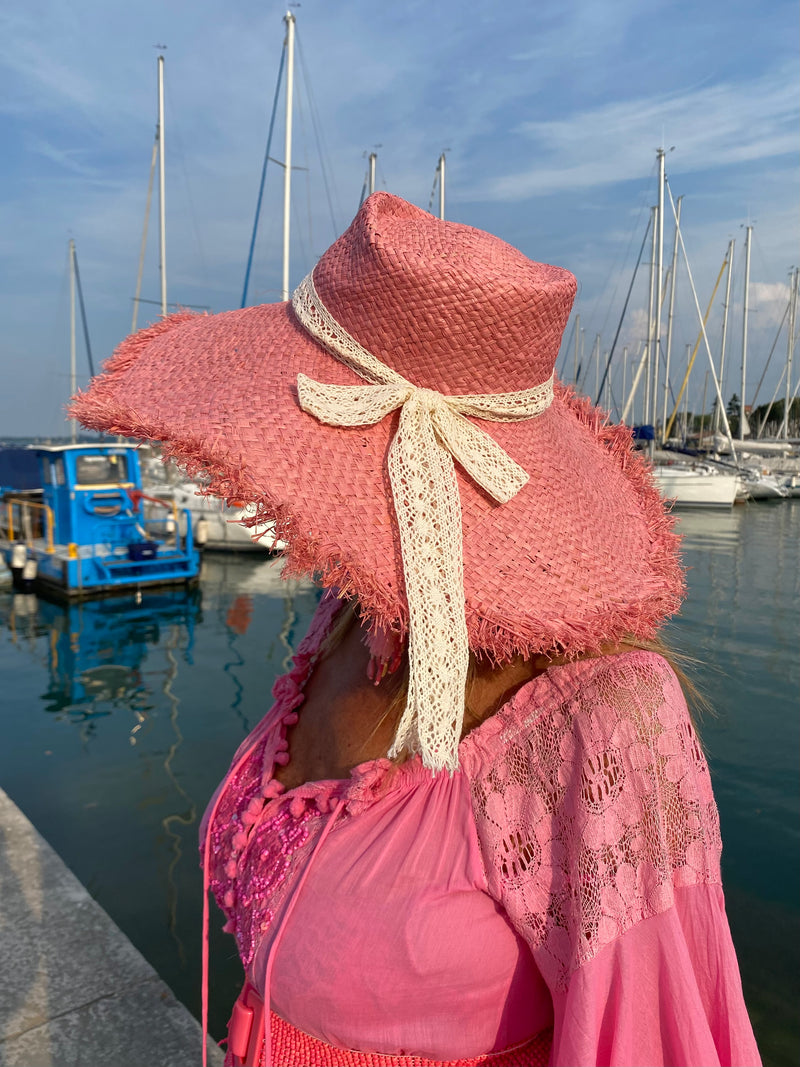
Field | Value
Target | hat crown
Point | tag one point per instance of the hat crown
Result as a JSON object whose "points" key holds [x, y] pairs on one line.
{"points": [[449, 307]]}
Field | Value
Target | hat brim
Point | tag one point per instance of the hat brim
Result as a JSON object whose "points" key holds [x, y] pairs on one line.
{"points": [[582, 556]]}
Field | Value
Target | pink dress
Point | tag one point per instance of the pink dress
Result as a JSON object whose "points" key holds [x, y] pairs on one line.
{"points": [[564, 882]]}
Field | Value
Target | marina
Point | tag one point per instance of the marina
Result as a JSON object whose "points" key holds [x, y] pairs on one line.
{"points": [[121, 717], [144, 622]]}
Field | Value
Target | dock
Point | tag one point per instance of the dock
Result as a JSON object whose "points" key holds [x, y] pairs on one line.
{"points": [[74, 991]]}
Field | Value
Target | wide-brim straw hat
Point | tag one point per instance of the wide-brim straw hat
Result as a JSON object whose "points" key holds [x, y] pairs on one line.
{"points": [[580, 556]]}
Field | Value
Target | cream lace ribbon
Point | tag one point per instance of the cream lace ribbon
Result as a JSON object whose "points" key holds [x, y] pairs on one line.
{"points": [[433, 431]]}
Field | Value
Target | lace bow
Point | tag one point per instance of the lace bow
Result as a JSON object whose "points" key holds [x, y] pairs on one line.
{"points": [[433, 431]]}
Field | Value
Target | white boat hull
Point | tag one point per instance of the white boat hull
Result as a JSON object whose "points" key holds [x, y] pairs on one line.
{"points": [[223, 528], [756, 486], [696, 488]]}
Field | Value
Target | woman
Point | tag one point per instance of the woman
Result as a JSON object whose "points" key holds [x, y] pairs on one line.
{"points": [[476, 826]]}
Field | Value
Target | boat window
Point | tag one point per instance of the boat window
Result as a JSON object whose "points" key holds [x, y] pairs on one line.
{"points": [[57, 470], [101, 470]]}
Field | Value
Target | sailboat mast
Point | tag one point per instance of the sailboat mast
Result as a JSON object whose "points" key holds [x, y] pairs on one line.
{"points": [[577, 351], [703, 411], [742, 416], [371, 186], [650, 326], [162, 206], [287, 164], [624, 368], [441, 186], [671, 316], [658, 284], [790, 351], [723, 342], [73, 383]]}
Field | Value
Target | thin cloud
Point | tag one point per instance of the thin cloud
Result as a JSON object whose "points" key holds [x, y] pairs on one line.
{"points": [[66, 159], [710, 127]]}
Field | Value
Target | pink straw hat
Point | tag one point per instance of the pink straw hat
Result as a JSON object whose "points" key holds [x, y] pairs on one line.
{"points": [[578, 555]]}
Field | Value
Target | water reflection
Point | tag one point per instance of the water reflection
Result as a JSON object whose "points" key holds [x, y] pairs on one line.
{"points": [[120, 719], [94, 651], [710, 528], [99, 661]]}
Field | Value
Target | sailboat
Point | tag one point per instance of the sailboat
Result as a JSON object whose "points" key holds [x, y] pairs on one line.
{"points": [[695, 484], [755, 481], [682, 480], [216, 525]]}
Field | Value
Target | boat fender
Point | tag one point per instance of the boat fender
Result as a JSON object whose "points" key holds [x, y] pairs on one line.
{"points": [[19, 554], [201, 533]]}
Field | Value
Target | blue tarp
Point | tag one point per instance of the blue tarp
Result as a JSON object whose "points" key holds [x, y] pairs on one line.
{"points": [[19, 469]]}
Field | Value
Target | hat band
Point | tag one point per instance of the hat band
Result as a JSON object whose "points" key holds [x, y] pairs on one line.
{"points": [[433, 431]]}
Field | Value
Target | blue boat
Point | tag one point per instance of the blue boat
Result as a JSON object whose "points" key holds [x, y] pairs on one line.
{"points": [[72, 523]]}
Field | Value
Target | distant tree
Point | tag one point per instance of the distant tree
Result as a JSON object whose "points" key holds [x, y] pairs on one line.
{"points": [[733, 411], [771, 415]]}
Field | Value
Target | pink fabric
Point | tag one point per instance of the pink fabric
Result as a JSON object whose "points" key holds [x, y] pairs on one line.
{"points": [[665, 994], [567, 874]]}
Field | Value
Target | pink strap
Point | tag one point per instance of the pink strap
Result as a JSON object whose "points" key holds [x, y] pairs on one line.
{"points": [[206, 885], [279, 932]]}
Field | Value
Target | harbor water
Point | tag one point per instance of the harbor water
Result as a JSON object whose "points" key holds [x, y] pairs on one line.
{"points": [[119, 718]]}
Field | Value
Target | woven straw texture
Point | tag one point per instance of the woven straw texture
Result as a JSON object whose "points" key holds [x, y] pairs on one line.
{"points": [[293, 1048], [582, 555]]}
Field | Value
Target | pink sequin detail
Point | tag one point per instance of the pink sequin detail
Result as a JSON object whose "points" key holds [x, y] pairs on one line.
{"points": [[248, 793], [267, 862]]}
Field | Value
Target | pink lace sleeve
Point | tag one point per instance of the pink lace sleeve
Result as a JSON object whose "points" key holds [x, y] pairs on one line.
{"points": [[595, 806]]}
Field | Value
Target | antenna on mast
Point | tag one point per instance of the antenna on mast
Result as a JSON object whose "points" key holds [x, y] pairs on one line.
{"points": [[438, 178]]}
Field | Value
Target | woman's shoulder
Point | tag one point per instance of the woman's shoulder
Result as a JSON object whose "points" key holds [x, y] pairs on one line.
{"points": [[633, 691]]}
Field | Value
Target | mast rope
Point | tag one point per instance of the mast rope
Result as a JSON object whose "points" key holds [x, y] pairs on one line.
{"points": [[316, 126], [83, 313], [263, 177]]}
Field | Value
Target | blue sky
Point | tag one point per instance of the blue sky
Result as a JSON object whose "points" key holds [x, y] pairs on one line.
{"points": [[550, 114]]}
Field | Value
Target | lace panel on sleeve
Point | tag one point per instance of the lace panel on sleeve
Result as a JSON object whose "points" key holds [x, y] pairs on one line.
{"points": [[597, 805]]}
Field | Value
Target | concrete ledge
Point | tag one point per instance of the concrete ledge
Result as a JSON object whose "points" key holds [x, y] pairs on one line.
{"points": [[74, 992]]}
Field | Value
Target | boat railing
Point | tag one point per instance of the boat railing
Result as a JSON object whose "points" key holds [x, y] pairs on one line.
{"points": [[172, 527], [27, 520], [102, 550]]}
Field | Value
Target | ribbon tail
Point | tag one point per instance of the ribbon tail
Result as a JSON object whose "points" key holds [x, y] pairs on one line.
{"points": [[479, 454], [428, 511]]}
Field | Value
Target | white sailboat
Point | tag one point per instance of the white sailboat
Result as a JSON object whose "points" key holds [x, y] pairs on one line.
{"points": [[217, 527], [755, 481], [695, 485], [684, 481]]}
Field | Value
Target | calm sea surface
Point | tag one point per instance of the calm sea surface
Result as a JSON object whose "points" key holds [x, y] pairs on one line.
{"points": [[119, 720]]}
